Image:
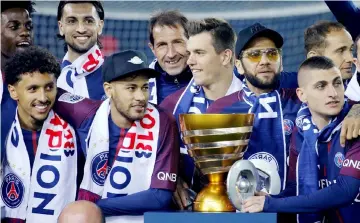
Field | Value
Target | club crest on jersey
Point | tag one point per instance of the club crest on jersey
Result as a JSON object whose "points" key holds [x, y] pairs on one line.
{"points": [[339, 159], [288, 126], [12, 191], [99, 168], [265, 156]]}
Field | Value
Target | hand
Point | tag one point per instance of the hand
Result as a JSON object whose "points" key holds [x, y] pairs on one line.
{"points": [[253, 204], [351, 125], [183, 196], [261, 193]]}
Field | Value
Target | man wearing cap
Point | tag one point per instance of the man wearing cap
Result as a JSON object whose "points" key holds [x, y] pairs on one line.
{"points": [[131, 146]]}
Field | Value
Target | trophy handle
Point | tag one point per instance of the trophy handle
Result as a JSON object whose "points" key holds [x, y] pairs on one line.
{"points": [[268, 176], [241, 182]]}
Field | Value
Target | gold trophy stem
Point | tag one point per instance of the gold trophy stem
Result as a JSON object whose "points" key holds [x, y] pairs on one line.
{"points": [[213, 197]]}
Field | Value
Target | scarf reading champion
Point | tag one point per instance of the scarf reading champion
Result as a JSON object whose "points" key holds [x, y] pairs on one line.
{"points": [[134, 165], [268, 137], [307, 170], [73, 76], [39, 195]]}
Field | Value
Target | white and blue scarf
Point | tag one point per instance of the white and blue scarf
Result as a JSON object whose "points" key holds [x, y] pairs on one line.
{"points": [[40, 194]]}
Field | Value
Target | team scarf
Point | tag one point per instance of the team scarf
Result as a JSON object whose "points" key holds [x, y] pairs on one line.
{"points": [[73, 76], [152, 86], [39, 195], [135, 158], [1, 87], [268, 139], [307, 168]]}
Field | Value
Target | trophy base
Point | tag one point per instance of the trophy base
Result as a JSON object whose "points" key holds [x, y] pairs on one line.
{"points": [[213, 198]]}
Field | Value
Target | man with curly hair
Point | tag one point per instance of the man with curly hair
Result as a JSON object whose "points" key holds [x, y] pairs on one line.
{"points": [[40, 149]]}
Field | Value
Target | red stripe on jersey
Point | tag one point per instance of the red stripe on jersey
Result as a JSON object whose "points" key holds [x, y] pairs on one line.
{"points": [[339, 216], [34, 142], [119, 145]]}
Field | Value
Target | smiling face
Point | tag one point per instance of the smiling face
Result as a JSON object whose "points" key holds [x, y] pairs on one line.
{"points": [[339, 49], [35, 93], [16, 31], [129, 97], [81, 26], [170, 48]]}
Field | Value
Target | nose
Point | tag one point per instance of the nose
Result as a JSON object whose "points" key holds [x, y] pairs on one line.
{"points": [[80, 27], [171, 51], [264, 59], [43, 97], [140, 95], [332, 91], [191, 60], [25, 32]]}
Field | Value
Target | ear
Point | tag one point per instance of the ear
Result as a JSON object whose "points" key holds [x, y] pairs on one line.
{"points": [[239, 67], [100, 27], [13, 93], [312, 53], [151, 47], [226, 56], [108, 88], [301, 94], [61, 28]]}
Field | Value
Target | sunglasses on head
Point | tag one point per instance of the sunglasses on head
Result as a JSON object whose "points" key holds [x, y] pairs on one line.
{"points": [[273, 54]]}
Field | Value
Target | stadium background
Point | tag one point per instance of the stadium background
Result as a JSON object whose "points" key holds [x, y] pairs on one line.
{"points": [[126, 22]]}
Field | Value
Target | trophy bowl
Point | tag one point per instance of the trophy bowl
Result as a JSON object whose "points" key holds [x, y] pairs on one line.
{"points": [[215, 142]]}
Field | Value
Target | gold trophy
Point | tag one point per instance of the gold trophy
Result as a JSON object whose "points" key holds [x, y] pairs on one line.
{"points": [[215, 142]]}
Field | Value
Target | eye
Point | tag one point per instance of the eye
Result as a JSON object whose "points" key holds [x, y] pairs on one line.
{"points": [[31, 89], [337, 83], [254, 53], [146, 88], [70, 21], [131, 88], [320, 87], [49, 87], [29, 26], [14, 27], [90, 21]]}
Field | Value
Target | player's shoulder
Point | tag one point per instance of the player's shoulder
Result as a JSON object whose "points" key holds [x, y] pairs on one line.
{"points": [[226, 101], [170, 101]]}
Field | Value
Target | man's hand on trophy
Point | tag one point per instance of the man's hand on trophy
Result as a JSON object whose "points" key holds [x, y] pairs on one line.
{"points": [[253, 204], [184, 197], [351, 125]]}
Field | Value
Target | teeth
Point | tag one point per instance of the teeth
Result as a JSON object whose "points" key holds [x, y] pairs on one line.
{"points": [[23, 44], [41, 106], [82, 37], [173, 62]]}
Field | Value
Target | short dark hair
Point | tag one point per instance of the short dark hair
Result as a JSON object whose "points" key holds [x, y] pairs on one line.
{"points": [[167, 18], [99, 9], [32, 59], [224, 36], [315, 35], [27, 5], [97, 4], [317, 62]]}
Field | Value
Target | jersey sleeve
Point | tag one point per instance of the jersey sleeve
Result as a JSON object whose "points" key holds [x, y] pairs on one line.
{"points": [[167, 158], [351, 164], [75, 109]]}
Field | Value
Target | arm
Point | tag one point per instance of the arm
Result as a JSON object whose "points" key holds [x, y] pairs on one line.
{"points": [[346, 13], [137, 203], [326, 198], [73, 108]]}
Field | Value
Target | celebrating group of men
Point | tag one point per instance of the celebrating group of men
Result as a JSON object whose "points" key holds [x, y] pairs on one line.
{"points": [[98, 137]]}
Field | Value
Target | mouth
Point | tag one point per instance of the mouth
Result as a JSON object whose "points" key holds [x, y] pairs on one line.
{"points": [[23, 44], [173, 62], [42, 108], [82, 39], [265, 72], [195, 71], [332, 103], [139, 108]]}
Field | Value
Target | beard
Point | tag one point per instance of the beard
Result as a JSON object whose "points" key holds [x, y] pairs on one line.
{"points": [[81, 50], [272, 84]]}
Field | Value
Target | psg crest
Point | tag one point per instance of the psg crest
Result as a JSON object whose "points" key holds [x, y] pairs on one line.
{"points": [[99, 168], [288, 126], [339, 159], [12, 191]]}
